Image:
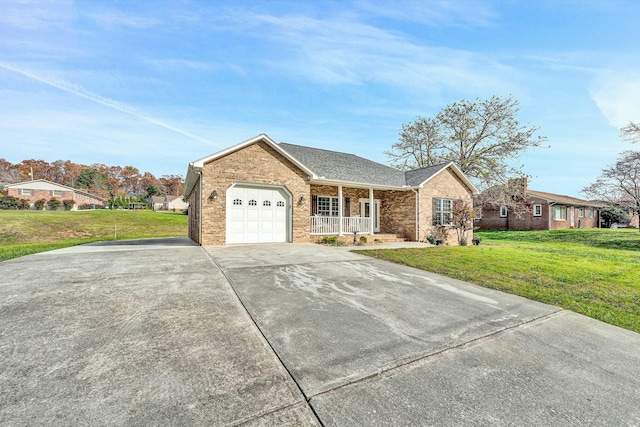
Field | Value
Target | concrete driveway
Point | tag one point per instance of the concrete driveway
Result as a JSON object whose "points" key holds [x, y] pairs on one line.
{"points": [[163, 332]]}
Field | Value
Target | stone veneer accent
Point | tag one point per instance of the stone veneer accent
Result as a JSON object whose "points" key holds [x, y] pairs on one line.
{"points": [[254, 164]]}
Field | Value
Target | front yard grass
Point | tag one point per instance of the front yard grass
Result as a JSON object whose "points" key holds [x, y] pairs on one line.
{"points": [[594, 272], [28, 232]]}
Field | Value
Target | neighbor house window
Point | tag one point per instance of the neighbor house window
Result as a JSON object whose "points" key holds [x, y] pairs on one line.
{"points": [[590, 213], [580, 212], [26, 192], [443, 212], [503, 211], [559, 213], [537, 210], [327, 206], [57, 193]]}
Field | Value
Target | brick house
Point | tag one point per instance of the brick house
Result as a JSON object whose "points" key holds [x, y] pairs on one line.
{"points": [[32, 191], [542, 211], [261, 191]]}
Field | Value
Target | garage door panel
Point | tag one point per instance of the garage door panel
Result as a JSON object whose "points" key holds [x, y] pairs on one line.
{"points": [[256, 215]]}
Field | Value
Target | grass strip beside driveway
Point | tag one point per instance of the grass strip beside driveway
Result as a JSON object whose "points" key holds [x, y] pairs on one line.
{"points": [[576, 269], [28, 232]]}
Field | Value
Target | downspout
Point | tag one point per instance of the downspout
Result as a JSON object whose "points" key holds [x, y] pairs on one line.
{"points": [[200, 208], [417, 214]]}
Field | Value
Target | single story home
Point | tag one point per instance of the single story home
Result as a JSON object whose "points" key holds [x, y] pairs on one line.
{"points": [[168, 203], [542, 211], [38, 189], [262, 191]]}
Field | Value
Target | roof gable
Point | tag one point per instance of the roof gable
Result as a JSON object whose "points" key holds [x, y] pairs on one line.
{"points": [[419, 177]]}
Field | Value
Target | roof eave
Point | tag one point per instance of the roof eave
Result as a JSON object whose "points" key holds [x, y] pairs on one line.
{"points": [[352, 184]]}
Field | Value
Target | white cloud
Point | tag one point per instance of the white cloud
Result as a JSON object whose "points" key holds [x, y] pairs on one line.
{"points": [[35, 14], [617, 95], [346, 51]]}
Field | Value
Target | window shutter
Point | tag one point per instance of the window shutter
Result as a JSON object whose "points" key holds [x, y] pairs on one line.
{"points": [[314, 204], [347, 206], [434, 213]]}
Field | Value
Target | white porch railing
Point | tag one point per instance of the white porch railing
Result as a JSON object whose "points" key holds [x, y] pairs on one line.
{"points": [[331, 225]]}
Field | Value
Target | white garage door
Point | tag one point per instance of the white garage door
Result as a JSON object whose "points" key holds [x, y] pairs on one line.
{"points": [[256, 215]]}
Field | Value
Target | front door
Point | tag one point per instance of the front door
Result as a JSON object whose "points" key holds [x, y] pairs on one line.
{"points": [[572, 216], [365, 211]]}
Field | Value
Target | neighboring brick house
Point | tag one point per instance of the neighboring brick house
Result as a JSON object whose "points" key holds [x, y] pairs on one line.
{"points": [[32, 191], [542, 211], [260, 191]]}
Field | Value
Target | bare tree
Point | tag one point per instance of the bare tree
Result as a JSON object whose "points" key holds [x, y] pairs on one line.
{"points": [[480, 136], [619, 184], [420, 145], [631, 132], [462, 215]]}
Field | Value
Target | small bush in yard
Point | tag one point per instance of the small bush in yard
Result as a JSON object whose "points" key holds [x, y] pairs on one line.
{"points": [[13, 203], [332, 240], [39, 204], [53, 204], [68, 204]]}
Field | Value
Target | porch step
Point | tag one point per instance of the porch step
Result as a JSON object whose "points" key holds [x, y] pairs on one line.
{"points": [[389, 238]]}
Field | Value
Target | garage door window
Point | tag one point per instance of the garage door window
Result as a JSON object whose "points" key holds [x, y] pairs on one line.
{"points": [[253, 203], [266, 203], [237, 202]]}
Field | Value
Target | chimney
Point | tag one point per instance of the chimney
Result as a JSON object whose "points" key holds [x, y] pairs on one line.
{"points": [[518, 185]]}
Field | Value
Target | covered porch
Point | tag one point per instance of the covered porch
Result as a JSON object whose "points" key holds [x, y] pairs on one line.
{"points": [[341, 210]]}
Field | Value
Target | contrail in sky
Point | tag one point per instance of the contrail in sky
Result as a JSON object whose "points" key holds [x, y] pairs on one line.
{"points": [[77, 90]]}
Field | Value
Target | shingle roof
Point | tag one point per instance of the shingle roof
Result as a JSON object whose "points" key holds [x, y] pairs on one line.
{"points": [[418, 176], [332, 165], [566, 200]]}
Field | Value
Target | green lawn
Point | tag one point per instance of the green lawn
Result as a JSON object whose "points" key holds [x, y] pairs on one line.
{"points": [[595, 272], [27, 232]]}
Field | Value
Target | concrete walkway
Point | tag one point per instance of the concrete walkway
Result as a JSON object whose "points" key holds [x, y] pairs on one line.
{"points": [[163, 332]]}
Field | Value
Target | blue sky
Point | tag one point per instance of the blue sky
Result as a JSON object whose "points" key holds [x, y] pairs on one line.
{"points": [[157, 84]]}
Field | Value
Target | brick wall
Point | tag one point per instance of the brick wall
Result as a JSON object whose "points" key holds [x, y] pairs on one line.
{"points": [[194, 213], [78, 198], [445, 185], [491, 219], [259, 164]]}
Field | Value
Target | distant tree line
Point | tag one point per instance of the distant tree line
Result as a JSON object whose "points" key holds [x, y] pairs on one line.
{"points": [[99, 179]]}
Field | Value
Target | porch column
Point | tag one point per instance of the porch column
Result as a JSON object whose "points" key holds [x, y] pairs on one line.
{"points": [[372, 208], [340, 210]]}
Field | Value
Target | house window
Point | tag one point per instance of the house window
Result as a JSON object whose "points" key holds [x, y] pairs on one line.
{"points": [[26, 192], [327, 206], [503, 211], [537, 210], [559, 213], [57, 193], [443, 211], [580, 212]]}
